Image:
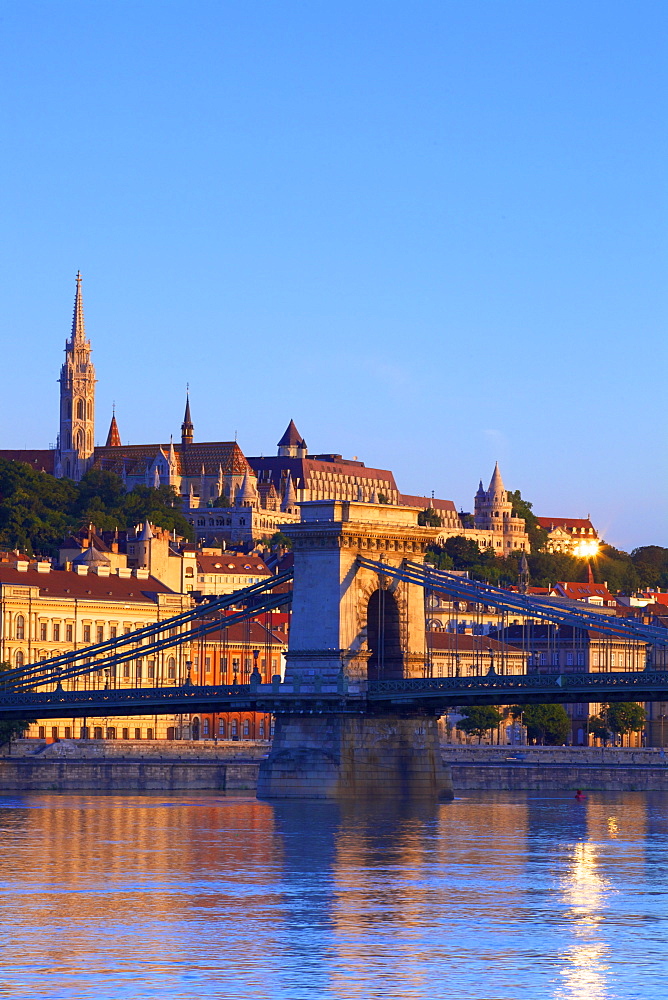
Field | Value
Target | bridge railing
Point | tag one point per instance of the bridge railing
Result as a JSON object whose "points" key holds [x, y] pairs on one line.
{"points": [[525, 605]]}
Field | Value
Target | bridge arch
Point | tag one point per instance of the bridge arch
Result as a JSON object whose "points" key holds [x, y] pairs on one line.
{"points": [[383, 628]]}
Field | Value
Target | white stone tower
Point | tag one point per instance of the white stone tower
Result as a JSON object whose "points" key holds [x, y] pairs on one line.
{"points": [[76, 439]]}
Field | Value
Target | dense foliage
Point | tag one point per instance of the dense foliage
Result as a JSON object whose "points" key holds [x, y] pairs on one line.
{"points": [[37, 510], [548, 725], [620, 717], [644, 567], [477, 720]]}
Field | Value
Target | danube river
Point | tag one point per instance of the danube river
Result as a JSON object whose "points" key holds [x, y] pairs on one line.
{"points": [[492, 897]]}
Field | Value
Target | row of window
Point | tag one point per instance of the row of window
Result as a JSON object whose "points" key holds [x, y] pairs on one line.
{"points": [[235, 663], [129, 669], [67, 633], [578, 658], [95, 732]]}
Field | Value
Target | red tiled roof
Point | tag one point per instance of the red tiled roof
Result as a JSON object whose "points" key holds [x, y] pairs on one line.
{"points": [[568, 523], [581, 591], [231, 563], [302, 470], [440, 641], [252, 632], [408, 500], [43, 460], [656, 598], [66, 584]]}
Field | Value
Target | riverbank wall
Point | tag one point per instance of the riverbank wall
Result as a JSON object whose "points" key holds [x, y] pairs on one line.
{"points": [[232, 768], [548, 769]]}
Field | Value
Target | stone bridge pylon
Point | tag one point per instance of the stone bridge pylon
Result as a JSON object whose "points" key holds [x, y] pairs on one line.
{"points": [[351, 625]]}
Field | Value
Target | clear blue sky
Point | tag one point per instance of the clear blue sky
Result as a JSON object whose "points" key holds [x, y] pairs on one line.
{"points": [[433, 233]]}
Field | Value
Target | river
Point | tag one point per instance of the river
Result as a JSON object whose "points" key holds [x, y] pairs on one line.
{"points": [[490, 897]]}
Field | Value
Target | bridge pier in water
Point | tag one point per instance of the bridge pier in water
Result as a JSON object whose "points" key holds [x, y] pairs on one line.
{"points": [[340, 756], [350, 625]]}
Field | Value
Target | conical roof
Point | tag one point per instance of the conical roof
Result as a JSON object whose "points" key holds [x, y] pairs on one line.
{"points": [[496, 487], [289, 497], [245, 493], [113, 437], [292, 437], [90, 556], [146, 534]]}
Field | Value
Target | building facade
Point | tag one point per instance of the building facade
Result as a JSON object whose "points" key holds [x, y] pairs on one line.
{"points": [[45, 612]]}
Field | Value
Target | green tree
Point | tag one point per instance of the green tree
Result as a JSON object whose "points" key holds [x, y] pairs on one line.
{"points": [[626, 717], [429, 518], [278, 538], [651, 565], [537, 535], [599, 728], [548, 725], [479, 719], [37, 510]]}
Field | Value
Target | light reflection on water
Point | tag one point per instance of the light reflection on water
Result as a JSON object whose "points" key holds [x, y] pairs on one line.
{"points": [[492, 897]]}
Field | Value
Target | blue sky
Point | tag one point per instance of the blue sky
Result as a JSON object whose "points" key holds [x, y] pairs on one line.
{"points": [[433, 233]]}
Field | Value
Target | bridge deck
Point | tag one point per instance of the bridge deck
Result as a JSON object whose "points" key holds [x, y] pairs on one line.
{"points": [[433, 695]]}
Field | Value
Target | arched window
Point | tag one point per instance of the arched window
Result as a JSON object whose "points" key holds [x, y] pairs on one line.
{"points": [[80, 440], [68, 469], [90, 409], [171, 668], [81, 409], [19, 659], [20, 627]]}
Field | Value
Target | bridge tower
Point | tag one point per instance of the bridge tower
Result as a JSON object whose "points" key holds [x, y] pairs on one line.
{"points": [[351, 625]]}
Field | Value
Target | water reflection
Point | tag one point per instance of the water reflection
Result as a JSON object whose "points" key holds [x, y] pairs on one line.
{"points": [[584, 891], [491, 896]]}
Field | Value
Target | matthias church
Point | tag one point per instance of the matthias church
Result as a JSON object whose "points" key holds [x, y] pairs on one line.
{"points": [[234, 499]]}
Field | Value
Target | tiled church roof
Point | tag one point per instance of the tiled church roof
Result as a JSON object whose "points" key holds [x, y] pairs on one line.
{"points": [[213, 455]]}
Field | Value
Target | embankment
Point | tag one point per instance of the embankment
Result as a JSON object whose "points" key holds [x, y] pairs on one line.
{"points": [[541, 769], [99, 766]]}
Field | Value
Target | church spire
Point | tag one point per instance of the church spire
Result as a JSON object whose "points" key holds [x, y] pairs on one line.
{"points": [[113, 437], [187, 425], [76, 438], [78, 325]]}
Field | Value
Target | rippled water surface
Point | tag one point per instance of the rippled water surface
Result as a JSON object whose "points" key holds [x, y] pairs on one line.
{"points": [[491, 897]]}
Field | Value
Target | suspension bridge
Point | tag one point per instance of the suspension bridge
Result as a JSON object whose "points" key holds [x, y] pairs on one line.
{"points": [[356, 711]]}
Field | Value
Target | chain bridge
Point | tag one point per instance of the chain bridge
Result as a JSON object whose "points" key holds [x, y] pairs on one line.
{"points": [[356, 712]]}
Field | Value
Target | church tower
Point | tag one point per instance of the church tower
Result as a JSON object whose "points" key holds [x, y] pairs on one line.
{"points": [[76, 439]]}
